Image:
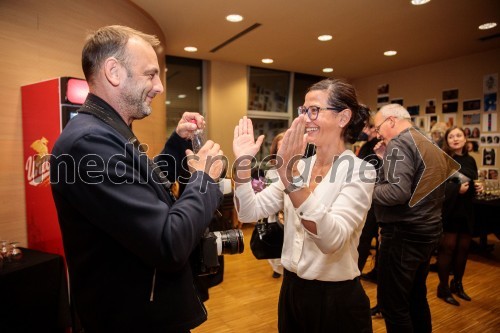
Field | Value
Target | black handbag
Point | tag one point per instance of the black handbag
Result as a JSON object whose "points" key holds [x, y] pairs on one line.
{"points": [[267, 240]]}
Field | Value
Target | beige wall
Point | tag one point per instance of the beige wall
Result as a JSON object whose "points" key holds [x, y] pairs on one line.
{"points": [[418, 84], [227, 102], [227, 86], [41, 40]]}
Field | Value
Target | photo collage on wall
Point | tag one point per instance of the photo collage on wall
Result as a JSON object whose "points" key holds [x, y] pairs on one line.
{"points": [[428, 119], [449, 107], [471, 122], [382, 95], [477, 116], [450, 101], [489, 137]]}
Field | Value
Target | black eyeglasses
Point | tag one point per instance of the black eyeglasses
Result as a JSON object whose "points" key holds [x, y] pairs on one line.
{"points": [[377, 128], [313, 111]]}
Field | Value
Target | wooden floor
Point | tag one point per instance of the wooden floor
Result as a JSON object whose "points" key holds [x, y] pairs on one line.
{"points": [[247, 299]]}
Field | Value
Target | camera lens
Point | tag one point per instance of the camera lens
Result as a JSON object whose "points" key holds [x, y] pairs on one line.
{"points": [[229, 241]]}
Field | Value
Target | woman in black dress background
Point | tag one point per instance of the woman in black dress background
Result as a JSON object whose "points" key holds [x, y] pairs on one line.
{"points": [[458, 218]]}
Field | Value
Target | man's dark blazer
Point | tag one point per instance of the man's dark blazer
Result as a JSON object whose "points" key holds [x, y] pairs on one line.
{"points": [[127, 246]]}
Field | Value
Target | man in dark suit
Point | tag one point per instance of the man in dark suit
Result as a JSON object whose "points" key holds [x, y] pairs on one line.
{"points": [[127, 240]]}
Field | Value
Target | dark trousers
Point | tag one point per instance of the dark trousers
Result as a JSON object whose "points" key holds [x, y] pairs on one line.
{"points": [[319, 306], [370, 230], [403, 268]]}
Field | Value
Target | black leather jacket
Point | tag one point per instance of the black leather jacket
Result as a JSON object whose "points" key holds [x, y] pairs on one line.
{"points": [[398, 184]]}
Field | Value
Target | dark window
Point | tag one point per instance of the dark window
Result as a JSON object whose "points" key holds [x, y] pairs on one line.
{"points": [[184, 88]]}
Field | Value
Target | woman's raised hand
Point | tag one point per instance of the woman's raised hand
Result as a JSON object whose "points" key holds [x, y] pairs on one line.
{"points": [[294, 141], [244, 143]]}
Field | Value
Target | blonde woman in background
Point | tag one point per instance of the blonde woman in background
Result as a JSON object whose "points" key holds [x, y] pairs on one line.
{"points": [[437, 133]]}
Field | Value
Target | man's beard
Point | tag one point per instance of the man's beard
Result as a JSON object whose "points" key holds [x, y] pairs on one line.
{"points": [[136, 105]]}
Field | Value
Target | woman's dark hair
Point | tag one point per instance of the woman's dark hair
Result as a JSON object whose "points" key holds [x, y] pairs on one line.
{"points": [[446, 147], [341, 95]]}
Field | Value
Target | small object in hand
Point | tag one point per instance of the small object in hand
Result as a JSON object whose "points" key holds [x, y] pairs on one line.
{"points": [[198, 139]]}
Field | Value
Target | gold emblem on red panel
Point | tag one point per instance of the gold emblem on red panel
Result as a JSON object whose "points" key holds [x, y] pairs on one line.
{"points": [[38, 166]]}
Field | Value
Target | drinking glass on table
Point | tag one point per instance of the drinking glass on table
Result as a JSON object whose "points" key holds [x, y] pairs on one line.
{"points": [[496, 188], [15, 253], [4, 250], [479, 187]]}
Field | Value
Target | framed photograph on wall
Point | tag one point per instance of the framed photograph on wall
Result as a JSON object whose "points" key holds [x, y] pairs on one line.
{"points": [[397, 101], [450, 94], [489, 122], [490, 102], [383, 89], [490, 139], [472, 146], [467, 131], [472, 132], [422, 123], [382, 99], [490, 83], [433, 119], [449, 107], [413, 110], [471, 119], [472, 105], [489, 156], [430, 106], [450, 119], [493, 174]]}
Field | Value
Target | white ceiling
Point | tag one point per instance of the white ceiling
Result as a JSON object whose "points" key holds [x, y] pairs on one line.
{"points": [[362, 30]]}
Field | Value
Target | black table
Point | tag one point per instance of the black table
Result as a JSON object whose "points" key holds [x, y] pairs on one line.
{"points": [[34, 294], [487, 215]]}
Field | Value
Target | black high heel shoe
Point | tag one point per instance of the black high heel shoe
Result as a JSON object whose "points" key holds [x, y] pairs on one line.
{"points": [[445, 294], [456, 287]]}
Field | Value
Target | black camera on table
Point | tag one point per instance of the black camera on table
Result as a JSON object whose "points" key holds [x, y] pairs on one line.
{"points": [[217, 243]]}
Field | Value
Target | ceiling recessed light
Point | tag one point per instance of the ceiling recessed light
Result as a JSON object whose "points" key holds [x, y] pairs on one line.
{"points": [[234, 18], [181, 96], [198, 88], [487, 26], [167, 102], [419, 2], [190, 49], [390, 53], [267, 61], [327, 70], [325, 38]]}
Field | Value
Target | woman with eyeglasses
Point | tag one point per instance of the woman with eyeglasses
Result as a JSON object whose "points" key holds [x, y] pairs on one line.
{"points": [[325, 199]]}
